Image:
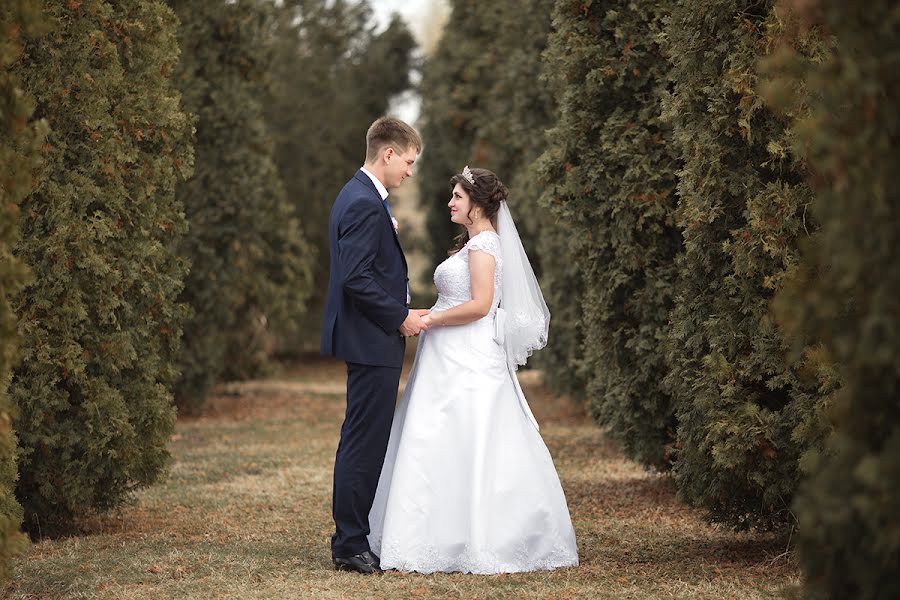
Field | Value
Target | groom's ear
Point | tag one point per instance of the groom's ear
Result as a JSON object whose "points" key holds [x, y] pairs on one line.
{"points": [[387, 153]]}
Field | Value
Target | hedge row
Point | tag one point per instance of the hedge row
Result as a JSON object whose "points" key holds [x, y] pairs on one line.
{"points": [[688, 209], [250, 264], [19, 155], [100, 322], [132, 242], [841, 304], [332, 74], [611, 178], [745, 415], [483, 104]]}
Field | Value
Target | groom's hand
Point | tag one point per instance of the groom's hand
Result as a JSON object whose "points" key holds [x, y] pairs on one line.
{"points": [[414, 323]]}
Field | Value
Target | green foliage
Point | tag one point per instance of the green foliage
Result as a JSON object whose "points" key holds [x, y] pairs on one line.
{"points": [[332, 76], [250, 263], [19, 155], [842, 301], [611, 177], [483, 104], [453, 89], [562, 361], [744, 416], [100, 323]]}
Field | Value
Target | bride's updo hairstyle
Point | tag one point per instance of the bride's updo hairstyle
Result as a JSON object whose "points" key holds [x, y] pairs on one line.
{"points": [[486, 193]]}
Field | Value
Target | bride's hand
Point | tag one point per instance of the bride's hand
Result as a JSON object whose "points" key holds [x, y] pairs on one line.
{"points": [[427, 320]]}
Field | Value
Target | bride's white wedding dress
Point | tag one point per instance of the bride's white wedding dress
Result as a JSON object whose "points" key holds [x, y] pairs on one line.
{"points": [[468, 484]]}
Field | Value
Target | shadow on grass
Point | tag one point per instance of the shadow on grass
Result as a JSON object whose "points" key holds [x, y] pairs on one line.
{"points": [[638, 524]]}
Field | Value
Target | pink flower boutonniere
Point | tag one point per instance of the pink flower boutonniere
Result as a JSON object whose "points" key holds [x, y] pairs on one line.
{"points": [[396, 225]]}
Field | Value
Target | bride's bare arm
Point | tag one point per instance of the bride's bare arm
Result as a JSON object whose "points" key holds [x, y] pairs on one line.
{"points": [[481, 272]]}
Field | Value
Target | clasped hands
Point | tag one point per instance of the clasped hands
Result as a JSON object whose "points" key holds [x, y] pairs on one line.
{"points": [[414, 323]]}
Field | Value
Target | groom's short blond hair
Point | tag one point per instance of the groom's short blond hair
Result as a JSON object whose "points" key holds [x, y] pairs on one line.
{"points": [[390, 131]]}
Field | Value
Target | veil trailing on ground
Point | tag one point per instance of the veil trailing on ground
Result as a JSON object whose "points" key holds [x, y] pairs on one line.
{"points": [[523, 319]]}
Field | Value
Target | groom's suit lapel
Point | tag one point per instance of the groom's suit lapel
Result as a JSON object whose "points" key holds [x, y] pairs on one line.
{"points": [[371, 187]]}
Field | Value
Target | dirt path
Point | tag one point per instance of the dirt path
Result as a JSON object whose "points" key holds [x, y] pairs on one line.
{"points": [[245, 513]]}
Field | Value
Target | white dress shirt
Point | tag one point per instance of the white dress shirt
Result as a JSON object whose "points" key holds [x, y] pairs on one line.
{"points": [[378, 185]]}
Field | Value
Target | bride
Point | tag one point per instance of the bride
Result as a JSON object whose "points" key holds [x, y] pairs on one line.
{"points": [[468, 484]]}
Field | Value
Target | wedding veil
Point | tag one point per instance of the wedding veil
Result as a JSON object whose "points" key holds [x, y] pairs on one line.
{"points": [[523, 319]]}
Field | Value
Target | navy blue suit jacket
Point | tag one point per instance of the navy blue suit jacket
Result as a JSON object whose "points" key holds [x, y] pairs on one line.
{"points": [[367, 280]]}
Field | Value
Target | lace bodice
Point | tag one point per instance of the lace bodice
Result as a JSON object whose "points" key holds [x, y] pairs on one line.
{"points": [[454, 285]]}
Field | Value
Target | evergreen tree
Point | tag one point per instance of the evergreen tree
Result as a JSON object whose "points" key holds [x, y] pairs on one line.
{"points": [[454, 84], [483, 104], [744, 416], [612, 179], [842, 304], [250, 263], [100, 322], [559, 246], [518, 110], [333, 75], [19, 153]]}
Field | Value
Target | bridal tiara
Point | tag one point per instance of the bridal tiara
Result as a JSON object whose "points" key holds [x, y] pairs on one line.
{"points": [[467, 175]]}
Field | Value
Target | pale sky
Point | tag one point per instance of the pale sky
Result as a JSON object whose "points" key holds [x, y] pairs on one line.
{"points": [[413, 11]]}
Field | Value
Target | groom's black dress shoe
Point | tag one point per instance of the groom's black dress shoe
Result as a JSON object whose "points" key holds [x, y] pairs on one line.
{"points": [[366, 562]]}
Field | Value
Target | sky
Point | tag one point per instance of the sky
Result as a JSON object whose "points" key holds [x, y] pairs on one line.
{"points": [[413, 11]]}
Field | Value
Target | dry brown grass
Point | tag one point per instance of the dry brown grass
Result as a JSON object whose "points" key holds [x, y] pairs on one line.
{"points": [[245, 513]]}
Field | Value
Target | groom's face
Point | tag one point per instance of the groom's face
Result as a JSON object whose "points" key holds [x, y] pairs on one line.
{"points": [[398, 166]]}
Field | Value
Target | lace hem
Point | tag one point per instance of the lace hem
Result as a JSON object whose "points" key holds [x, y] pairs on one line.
{"points": [[530, 333], [428, 559]]}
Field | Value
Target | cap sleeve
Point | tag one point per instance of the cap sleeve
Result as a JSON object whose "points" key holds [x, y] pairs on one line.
{"points": [[487, 241]]}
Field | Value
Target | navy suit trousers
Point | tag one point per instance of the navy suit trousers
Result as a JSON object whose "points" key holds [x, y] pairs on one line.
{"points": [[371, 397]]}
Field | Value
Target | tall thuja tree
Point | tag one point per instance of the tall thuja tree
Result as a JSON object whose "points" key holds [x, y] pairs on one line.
{"points": [[454, 88], [484, 104], [611, 174], [744, 415], [376, 72], [843, 301], [519, 106], [20, 140], [559, 241], [518, 109], [100, 322], [250, 263], [559, 244], [333, 75]]}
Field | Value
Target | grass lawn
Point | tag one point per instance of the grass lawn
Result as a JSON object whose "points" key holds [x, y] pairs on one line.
{"points": [[246, 513]]}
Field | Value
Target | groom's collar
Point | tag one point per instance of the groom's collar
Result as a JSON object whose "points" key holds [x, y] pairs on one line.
{"points": [[382, 191]]}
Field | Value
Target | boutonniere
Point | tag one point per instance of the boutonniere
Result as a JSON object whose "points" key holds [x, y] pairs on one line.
{"points": [[396, 225]]}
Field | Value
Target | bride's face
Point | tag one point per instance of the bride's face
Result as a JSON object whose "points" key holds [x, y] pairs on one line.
{"points": [[459, 205]]}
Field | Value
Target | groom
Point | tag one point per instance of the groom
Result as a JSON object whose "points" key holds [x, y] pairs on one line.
{"points": [[366, 322]]}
